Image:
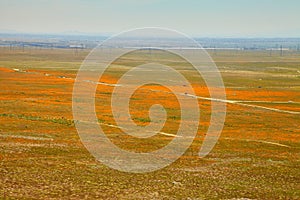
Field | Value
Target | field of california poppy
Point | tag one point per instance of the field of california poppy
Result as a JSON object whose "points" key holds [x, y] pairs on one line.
{"points": [[42, 157]]}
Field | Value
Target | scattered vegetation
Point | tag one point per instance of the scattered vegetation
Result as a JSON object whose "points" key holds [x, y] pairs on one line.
{"points": [[257, 156]]}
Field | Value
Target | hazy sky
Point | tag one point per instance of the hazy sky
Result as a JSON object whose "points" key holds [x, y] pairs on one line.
{"points": [[211, 18]]}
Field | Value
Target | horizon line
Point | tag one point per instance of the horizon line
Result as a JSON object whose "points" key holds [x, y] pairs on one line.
{"points": [[109, 34]]}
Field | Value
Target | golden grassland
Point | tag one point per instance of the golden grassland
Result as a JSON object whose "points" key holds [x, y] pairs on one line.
{"points": [[42, 157]]}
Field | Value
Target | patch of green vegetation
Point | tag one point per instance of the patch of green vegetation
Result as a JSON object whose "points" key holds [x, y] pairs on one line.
{"points": [[174, 117], [62, 121], [141, 119]]}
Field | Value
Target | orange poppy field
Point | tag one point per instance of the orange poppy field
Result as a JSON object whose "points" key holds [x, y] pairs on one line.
{"points": [[257, 155]]}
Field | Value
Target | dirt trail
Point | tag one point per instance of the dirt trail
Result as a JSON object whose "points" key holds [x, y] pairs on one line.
{"points": [[259, 141], [248, 105], [226, 138], [25, 137]]}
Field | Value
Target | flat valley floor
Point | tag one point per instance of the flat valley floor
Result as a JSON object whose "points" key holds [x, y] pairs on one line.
{"points": [[256, 157]]}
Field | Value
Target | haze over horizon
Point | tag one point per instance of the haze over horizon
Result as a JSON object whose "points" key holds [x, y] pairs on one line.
{"points": [[204, 18]]}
